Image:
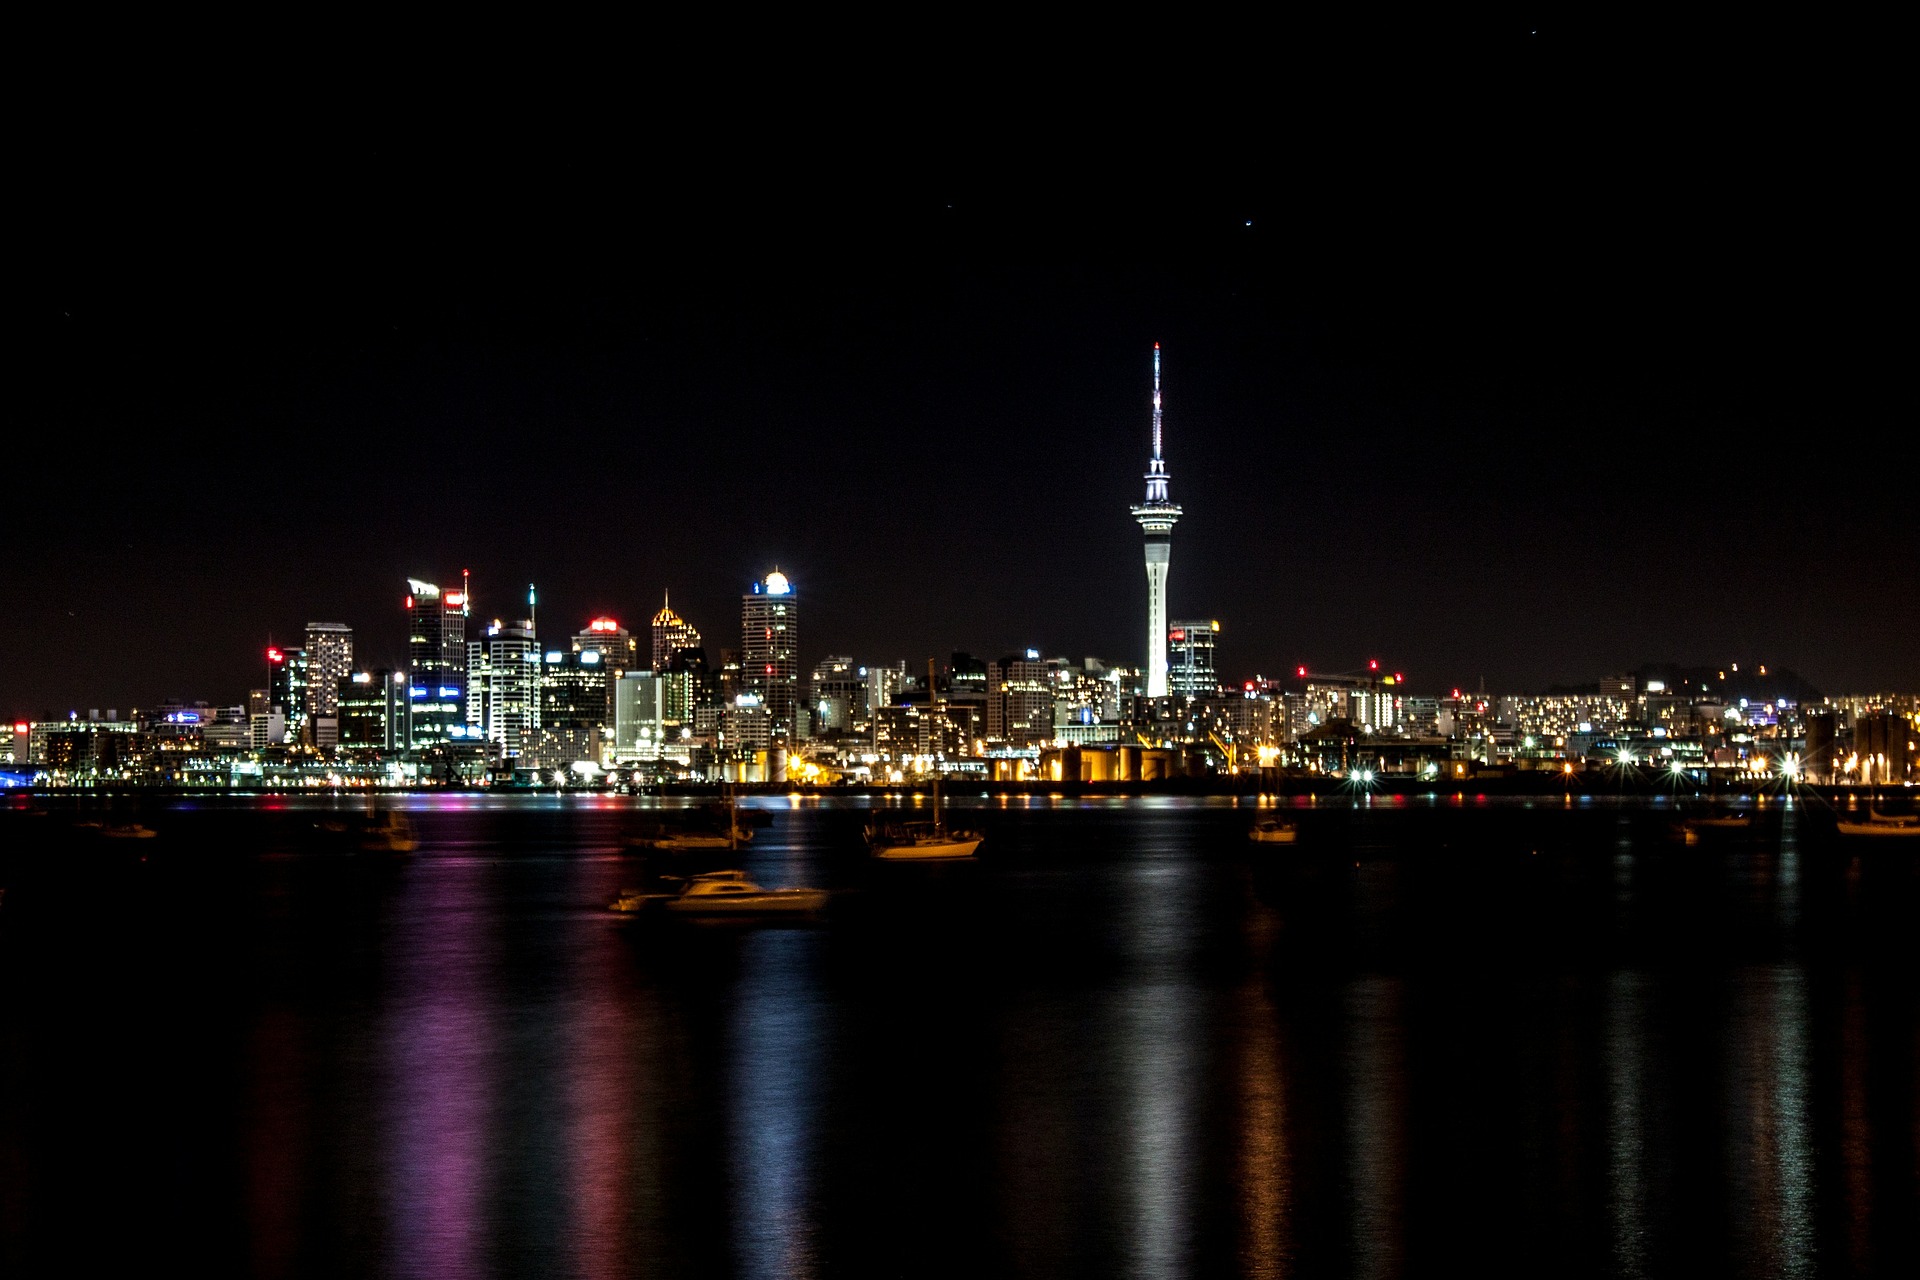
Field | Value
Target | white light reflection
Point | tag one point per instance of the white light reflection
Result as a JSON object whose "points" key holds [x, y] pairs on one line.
{"points": [[1773, 1149], [1160, 1042], [1627, 1086], [776, 1054]]}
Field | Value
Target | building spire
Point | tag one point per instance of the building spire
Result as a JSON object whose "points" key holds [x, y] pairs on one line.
{"points": [[1156, 402]]}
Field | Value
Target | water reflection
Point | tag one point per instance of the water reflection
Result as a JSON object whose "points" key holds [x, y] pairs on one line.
{"points": [[1159, 1043], [439, 1075], [773, 1097], [1376, 1124]]}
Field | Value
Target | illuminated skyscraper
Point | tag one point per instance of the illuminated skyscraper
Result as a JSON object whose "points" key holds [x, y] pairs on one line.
{"points": [[503, 688], [1157, 516], [769, 649], [436, 663], [1190, 668], [671, 633], [329, 661]]}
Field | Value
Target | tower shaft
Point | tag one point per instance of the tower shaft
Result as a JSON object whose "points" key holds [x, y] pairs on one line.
{"points": [[1157, 516]]}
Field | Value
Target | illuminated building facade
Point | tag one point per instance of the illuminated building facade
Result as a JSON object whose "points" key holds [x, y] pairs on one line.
{"points": [[436, 664], [329, 661], [1020, 701], [1157, 516], [287, 687], [372, 708], [837, 694], [575, 702], [618, 649], [503, 689], [769, 650], [671, 634], [1190, 659]]}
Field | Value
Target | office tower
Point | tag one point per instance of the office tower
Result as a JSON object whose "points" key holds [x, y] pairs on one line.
{"points": [[671, 634], [1157, 517], [769, 650], [575, 706], [1190, 670], [689, 684], [287, 687], [639, 716], [618, 649], [372, 708], [503, 688], [837, 695], [1020, 701], [436, 663], [329, 661]]}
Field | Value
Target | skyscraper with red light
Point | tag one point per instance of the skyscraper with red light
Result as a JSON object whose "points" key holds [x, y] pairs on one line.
{"points": [[436, 663]]}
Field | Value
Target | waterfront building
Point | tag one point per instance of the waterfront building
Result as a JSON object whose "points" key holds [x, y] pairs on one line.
{"points": [[436, 664], [1190, 669], [769, 651], [329, 661], [1157, 516]]}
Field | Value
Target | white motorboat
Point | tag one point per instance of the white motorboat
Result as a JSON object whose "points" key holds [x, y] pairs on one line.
{"points": [[730, 893], [1273, 831], [922, 841]]}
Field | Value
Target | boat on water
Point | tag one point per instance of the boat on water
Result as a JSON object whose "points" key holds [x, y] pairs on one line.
{"points": [[732, 835], [1715, 825], [722, 893], [1273, 831], [128, 831], [392, 834], [1881, 825], [921, 841]]}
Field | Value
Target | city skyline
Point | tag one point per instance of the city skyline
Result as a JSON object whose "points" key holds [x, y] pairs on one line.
{"points": [[1508, 373]]}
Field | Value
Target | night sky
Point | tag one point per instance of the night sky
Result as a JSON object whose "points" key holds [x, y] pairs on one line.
{"points": [[1534, 362]]}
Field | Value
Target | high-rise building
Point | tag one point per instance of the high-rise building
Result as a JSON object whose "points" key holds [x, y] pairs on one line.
{"points": [[503, 688], [769, 650], [1190, 669], [837, 695], [1020, 701], [1157, 516], [575, 707], [329, 661], [671, 634], [618, 649], [287, 690], [372, 707], [436, 663]]}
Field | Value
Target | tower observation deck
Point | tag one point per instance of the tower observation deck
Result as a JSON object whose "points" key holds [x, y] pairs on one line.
{"points": [[1157, 517]]}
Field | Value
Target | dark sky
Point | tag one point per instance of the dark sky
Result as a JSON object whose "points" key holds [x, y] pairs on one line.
{"points": [[1515, 358]]}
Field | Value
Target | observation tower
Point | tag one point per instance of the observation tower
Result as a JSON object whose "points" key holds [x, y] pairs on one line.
{"points": [[1157, 517]]}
